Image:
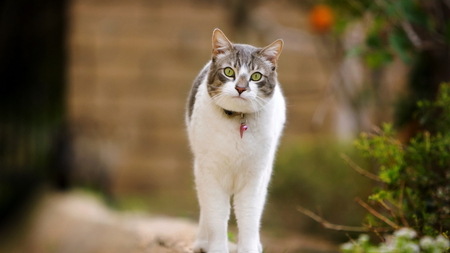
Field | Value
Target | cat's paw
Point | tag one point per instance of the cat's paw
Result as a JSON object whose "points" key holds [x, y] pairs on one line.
{"points": [[249, 251], [200, 246], [250, 248]]}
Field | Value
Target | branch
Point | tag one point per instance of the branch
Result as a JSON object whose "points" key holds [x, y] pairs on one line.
{"points": [[388, 209], [329, 225], [359, 169], [402, 216], [407, 27], [376, 214], [412, 35]]}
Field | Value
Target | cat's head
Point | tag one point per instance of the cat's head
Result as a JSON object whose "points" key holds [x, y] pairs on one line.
{"points": [[242, 78]]}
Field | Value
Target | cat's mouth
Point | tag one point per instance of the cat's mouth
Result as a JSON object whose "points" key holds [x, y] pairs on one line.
{"points": [[238, 103], [239, 97]]}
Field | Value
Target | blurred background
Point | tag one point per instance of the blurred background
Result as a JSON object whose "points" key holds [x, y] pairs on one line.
{"points": [[93, 93]]}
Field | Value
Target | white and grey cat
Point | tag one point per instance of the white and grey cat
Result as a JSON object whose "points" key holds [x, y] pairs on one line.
{"points": [[235, 116]]}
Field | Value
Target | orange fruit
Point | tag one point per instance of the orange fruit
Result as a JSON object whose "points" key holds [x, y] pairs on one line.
{"points": [[321, 18]]}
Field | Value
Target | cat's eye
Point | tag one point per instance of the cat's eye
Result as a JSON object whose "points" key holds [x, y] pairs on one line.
{"points": [[228, 72], [256, 76]]}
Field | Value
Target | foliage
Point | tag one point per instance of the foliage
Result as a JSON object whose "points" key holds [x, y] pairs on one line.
{"points": [[403, 241], [400, 28], [415, 176]]}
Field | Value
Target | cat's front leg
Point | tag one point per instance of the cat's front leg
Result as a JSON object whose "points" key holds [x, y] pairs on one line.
{"points": [[248, 205], [215, 212], [201, 242]]}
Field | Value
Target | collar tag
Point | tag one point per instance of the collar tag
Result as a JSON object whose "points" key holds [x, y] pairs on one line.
{"points": [[242, 120], [242, 129], [244, 126]]}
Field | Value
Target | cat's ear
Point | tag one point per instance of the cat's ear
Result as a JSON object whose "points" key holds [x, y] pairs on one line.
{"points": [[272, 51], [220, 43]]}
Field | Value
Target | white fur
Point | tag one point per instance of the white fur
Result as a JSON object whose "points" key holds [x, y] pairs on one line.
{"points": [[227, 165]]}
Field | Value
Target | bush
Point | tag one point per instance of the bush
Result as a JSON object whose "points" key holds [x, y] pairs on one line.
{"points": [[415, 176], [416, 190]]}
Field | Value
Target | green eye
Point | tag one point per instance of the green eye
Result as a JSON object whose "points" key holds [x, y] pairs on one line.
{"points": [[256, 76], [228, 72]]}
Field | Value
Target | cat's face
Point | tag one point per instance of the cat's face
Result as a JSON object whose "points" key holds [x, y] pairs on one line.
{"points": [[242, 78]]}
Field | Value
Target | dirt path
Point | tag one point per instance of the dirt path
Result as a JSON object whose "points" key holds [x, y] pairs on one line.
{"points": [[80, 223]]}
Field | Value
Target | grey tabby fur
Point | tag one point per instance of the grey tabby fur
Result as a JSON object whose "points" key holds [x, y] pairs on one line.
{"points": [[240, 54]]}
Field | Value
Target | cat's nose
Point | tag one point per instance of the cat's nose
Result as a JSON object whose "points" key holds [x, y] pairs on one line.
{"points": [[240, 89]]}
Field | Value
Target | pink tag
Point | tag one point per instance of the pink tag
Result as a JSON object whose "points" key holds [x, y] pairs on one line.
{"points": [[242, 129]]}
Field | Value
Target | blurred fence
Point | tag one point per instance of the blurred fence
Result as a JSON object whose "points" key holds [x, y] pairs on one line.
{"points": [[32, 97]]}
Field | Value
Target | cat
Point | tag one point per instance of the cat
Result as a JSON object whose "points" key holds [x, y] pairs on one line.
{"points": [[235, 116]]}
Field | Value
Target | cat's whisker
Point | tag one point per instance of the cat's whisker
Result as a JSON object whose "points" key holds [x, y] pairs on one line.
{"points": [[262, 102], [255, 104], [259, 104], [218, 98]]}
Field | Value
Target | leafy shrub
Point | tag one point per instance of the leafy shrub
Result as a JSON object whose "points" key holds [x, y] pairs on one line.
{"points": [[415, 176]]}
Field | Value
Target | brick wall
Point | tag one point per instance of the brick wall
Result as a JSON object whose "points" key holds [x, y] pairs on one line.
{"points": [[130, 70]]}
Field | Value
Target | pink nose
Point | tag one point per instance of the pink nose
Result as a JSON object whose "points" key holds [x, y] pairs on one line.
{"points": [[240, 89]]}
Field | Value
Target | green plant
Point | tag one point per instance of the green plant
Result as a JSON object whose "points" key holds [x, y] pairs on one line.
{"points": [[415, 190], [400, 28], [402, 241]]}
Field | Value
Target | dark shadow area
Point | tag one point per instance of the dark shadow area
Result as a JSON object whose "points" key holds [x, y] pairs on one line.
{"points": [[32, 101]]}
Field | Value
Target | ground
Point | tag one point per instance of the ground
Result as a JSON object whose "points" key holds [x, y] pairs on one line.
{"points": [[80, 222]]}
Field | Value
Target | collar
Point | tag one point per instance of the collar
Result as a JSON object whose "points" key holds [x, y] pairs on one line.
{"points": [[232, 113], [242, 120]]}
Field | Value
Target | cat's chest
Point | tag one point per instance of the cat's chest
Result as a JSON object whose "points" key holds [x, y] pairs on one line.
{"points": [[214, 126], [211, 129]]}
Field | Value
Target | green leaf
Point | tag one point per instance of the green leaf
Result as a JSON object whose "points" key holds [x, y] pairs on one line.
{"points": [[414, 12], [447, 32], [231, 237], [340, 24], [399, 41], [378, 58], [388, 129], [373, 40]]}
